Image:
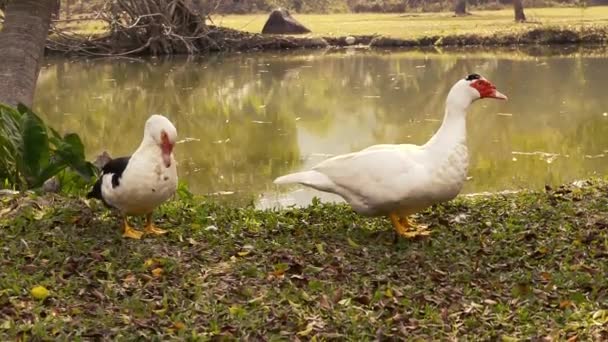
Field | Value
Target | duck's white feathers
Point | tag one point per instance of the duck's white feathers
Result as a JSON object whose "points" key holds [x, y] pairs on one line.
{"points": [[145, 184], [145, 181], [400, 178], [388, 178], [310, 178]]}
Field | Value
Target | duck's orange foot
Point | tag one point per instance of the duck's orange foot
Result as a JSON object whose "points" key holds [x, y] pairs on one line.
{"points": [[151, 229], [407, 229], [129, 232]]}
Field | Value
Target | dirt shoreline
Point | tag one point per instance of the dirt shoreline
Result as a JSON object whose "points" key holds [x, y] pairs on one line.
{"points": [[232, 40]]}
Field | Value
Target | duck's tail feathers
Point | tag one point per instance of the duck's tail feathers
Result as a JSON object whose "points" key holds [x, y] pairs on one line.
{"points": [[96, 191], [313, 179]]}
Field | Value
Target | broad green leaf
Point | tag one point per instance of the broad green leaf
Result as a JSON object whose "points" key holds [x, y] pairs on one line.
{"points": [[34, 154], [48, 172], [35, 145], [9, 125], [71, 158], [73, 140], [10, 147], [70, 150], [55, 134], [29, 155]]}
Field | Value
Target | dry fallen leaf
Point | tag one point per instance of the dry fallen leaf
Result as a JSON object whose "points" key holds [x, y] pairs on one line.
{"points": [[129, 279], [157, 272], [278, 273], [160, 312], [324, 302], [306, 331], [564, 304], [601, 315], [364, 299], [320, 248], [573, 338], [353, 243], [337, 295]]}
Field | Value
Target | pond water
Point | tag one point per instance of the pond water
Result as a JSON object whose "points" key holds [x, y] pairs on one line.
{"points": [[248, 118]]}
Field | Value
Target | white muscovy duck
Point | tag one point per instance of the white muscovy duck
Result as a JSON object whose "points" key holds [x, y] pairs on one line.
{"points": [[402, 179], [136, 185]]}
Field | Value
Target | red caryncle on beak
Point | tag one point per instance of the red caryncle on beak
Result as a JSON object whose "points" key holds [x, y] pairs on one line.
{"points": [[488, 90], [167, 148]]}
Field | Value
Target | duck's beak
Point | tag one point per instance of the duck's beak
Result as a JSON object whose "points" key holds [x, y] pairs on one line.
{"points": [[498, 95], [167, 148]]}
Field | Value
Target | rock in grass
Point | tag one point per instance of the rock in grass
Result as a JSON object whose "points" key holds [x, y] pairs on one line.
{"points": [[51, 185], [281, 22], [102, 160]]}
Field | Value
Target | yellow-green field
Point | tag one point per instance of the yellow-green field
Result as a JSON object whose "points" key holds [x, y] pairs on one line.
{"points": [[406, 25], [413, 25]]}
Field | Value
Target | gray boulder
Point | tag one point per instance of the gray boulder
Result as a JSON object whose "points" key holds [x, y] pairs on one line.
{"points": [[281, 22]]}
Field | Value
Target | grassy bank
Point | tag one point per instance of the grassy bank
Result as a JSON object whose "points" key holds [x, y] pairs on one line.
{"points": [[406, 25], [546, 26], [419, 25], [527, 265]]}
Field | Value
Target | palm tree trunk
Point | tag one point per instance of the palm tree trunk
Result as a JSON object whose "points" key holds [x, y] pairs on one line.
{"points": [[518, 7], [22, 41]]}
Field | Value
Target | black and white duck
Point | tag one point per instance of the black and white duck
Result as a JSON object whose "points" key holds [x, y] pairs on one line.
{"points": [[138, 184]]}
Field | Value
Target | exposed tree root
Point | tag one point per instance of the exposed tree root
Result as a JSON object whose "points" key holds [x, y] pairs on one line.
{"points": [[157, 27]]}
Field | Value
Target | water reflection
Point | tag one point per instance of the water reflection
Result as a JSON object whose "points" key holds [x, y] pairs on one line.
{"points": [[249, 118]]}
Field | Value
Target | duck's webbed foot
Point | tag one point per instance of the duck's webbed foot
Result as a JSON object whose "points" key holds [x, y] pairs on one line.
{"points": [[408, 229], [130, 232], [151, 229]]}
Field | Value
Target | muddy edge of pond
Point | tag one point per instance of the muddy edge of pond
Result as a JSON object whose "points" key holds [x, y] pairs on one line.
{"points": [[222, 39], [537, 36]]}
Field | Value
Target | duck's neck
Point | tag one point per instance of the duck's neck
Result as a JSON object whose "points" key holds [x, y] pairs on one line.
{"points": [[453, 128], [147, 147]]}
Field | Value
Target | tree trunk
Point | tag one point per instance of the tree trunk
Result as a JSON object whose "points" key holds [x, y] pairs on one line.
{"points": [[22, 41], [461, 7], [518, 7], [68, 12]]}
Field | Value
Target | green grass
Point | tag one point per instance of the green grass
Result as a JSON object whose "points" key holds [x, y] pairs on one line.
{"points": [[524, 266], [544, 26], [416, 25]]}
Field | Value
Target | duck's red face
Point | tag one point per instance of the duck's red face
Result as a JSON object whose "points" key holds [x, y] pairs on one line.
{"points": [[166, 147], [487, 89]]}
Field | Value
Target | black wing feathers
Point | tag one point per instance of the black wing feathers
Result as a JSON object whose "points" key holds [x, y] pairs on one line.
{"points": [[115, 166], [96, 191]]}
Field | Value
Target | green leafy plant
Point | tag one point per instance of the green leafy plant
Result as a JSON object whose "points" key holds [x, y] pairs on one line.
{"points": [[31, 152]]}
